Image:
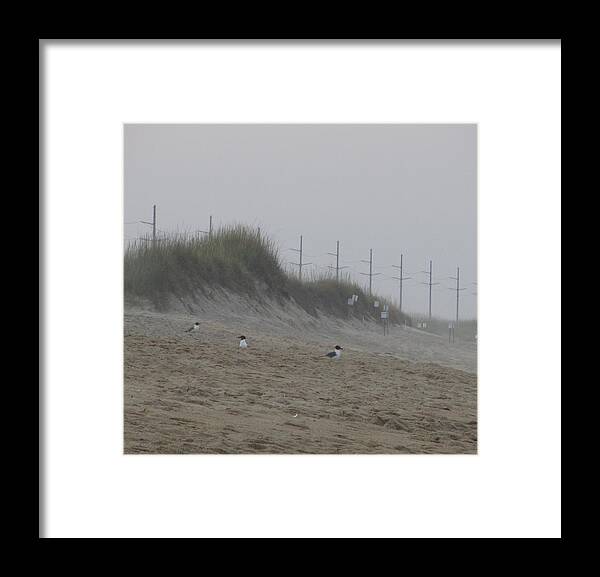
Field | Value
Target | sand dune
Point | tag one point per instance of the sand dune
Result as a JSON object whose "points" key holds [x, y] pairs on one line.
{"points": [[198, 393]]}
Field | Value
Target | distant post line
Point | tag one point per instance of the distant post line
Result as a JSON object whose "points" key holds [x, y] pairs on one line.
{"points": [[401, 278], [301, 263], [300, 269], [336, 254], [370, 271], [430, 283], [458, 289], [371, 274], [430, 278], [154, 223]]}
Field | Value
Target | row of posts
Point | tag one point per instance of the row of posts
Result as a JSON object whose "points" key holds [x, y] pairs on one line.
{"points": [[370, 274]]}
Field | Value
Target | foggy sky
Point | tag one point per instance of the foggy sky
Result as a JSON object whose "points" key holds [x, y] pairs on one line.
{"points": [[395, 188]]}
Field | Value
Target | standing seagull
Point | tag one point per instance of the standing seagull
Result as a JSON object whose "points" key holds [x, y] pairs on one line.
{"points": [[194, 327], [243, 343], [335, 354]]}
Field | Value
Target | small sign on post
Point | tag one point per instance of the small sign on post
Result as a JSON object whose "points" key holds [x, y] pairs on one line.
{"points": [[350, 304], [384, 320], [376, 304]]}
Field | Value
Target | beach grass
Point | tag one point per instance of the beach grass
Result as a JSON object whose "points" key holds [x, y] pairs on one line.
{"points": [[242, 260]]}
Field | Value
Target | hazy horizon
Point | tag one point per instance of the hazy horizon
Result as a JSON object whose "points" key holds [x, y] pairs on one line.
{"points": [[395, 188]]}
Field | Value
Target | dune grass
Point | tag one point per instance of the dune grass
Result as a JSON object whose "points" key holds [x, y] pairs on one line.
{"points": [[325, 293], [243, 261], [182, 265]]}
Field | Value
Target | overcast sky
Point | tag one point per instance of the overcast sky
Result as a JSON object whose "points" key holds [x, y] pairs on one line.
{"points": [[395, 188]]}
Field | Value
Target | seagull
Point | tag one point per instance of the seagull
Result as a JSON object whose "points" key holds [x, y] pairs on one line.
{"points": [[335, 354], [194, 327], [243, 343]]}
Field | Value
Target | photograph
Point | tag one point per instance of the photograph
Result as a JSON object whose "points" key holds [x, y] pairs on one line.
{"points": [[300, 289], [318, 282]]}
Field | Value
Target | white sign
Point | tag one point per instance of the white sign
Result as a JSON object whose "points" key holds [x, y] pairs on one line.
{"points": [[351, 302], [376, 304], [384, 314]]}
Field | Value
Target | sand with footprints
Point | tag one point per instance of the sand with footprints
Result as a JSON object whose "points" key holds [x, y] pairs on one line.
{"points": [[197, 392]]}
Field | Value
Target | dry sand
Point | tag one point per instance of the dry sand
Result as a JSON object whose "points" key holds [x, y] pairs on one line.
{"points": [[198, 393]]}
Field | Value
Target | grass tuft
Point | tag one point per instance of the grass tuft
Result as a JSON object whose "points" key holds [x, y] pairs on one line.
{"points": [[242, 260]]}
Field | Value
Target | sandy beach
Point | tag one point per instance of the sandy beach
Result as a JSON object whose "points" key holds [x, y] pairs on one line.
{"points": [[198, 393]]}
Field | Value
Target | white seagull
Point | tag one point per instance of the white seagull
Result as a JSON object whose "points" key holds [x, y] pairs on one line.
{"points": [[243, 343], [336, 353], [194, 327]]}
